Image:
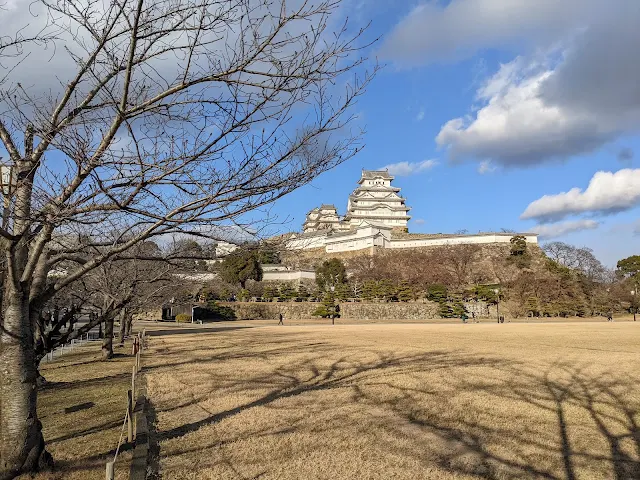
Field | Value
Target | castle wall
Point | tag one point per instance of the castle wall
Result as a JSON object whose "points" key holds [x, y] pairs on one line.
{"points": [[459, 240], [289, 276], [351, 310], [369, 237], [307, 242]]}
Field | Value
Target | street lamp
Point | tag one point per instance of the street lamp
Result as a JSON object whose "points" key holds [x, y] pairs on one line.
{"points": [[497, 292], [633, 303], [333, 312]]}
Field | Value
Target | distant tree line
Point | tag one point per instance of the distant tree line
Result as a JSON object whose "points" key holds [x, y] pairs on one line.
{"points": [[556, 280]]}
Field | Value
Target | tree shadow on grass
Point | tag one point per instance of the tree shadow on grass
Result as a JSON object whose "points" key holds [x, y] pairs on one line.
{"points": [[471, 445]]}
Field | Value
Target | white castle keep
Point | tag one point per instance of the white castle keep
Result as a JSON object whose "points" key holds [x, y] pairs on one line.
{"points": [[377, 216]]}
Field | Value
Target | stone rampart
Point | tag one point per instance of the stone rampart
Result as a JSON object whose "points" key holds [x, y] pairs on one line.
{"points": [[350, 310]]}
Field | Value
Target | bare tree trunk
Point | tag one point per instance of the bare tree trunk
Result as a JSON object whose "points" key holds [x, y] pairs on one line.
{"points": [[123, 325], [107, 341], [129, 323], [21, 440]]}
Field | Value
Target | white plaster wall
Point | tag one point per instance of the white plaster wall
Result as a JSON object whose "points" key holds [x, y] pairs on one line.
{"points": [[468, 240], [304, 243], [288, 276], [366, 237]]}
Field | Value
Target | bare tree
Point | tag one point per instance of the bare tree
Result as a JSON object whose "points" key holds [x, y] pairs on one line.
{"points": [[123, 287], [458, 260], [177, 115], [581, 259]]}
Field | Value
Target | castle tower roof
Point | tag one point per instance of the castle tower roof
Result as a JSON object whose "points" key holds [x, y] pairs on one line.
{"points": [[371, 174]]}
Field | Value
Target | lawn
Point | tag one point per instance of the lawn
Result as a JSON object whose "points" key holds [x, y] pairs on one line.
{"points": [[82, 409], [553, 401]]}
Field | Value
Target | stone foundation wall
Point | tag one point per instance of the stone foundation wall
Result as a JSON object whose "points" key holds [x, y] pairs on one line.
{"points": [[350, 311]]}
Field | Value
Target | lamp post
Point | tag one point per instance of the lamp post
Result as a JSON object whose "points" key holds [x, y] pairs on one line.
{"points": [[497, 292], [633, 303], [333, 311]]}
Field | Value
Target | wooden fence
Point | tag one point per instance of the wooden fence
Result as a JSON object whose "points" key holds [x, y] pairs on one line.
{"points": [[139, 343]]}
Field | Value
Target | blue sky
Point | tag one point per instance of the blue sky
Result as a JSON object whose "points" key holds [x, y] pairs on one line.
{"points": [[517, 114], [531, 125]]}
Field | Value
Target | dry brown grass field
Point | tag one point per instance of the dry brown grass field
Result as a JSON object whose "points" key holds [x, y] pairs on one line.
{"points": [[82, 409], [472, 401]]}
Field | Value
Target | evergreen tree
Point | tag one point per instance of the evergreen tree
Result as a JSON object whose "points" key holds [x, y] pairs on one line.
{"points": [[457, 305], [369, 290], [532, 306], [287, 292], [303, 292], [342, 292], [386, 290], [269, 293], [240, 266], [328, 307], [437, 293], [518, 246], [405, 292], [331, 273]]}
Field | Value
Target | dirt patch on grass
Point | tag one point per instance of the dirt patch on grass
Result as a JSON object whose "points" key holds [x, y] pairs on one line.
{"points": [[82, 409], [398, 401]]}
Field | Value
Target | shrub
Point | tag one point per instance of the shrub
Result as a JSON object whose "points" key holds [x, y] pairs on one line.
{"points": [[214, 311], [183, 318]]}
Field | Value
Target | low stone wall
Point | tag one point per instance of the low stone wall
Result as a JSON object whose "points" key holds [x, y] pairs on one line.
{"points": [[271, 310], [348, 311], [389, 311]]}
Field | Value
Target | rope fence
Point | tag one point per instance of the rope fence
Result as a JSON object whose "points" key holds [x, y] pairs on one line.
{"points": [[129, 420]]}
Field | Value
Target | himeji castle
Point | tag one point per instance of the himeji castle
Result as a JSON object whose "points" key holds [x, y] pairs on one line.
{"points": [[377, 216], [377, 201]]}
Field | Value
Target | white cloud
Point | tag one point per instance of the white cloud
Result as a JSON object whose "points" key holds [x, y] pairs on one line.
{"points": [[419, 221], [486, 167], [578, 95], [516, 126], [404, 169], [607, 192], [420, 115], [554, 230]]}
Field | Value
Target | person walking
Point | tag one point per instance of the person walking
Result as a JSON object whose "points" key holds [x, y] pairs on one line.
{"points": [[281, 322]]}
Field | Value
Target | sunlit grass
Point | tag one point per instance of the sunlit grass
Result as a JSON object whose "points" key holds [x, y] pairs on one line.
{"points": [[82, 410], [399, 401]]}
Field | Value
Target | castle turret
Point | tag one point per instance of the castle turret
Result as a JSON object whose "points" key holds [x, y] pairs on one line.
{"points": [[376, 200], [323, 218]]}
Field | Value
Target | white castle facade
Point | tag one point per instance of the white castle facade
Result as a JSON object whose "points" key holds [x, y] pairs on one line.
{"points": [[377, 216]]}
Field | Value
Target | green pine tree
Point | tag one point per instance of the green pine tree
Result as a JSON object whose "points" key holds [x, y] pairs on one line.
{"points": [[342, 292], [327, 308], [405, 292], [386, 290], [269, 293], [437, 293], [369, 290], [303, 292], [287, 292]]}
